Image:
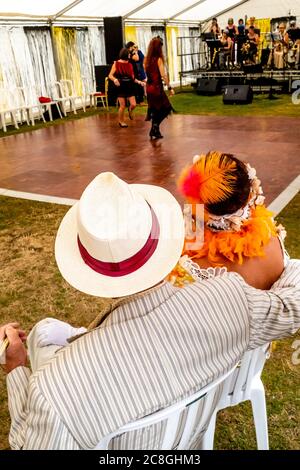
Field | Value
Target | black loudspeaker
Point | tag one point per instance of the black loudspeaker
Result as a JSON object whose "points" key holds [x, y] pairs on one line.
{"points": [[238, 94], [113, 37], [208, 86]]}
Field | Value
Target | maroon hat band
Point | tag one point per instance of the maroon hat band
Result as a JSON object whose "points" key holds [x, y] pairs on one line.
{"points": [[128, 265]]}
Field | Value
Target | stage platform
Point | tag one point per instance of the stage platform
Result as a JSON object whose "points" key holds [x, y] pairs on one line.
{"points": [[287, 75]]}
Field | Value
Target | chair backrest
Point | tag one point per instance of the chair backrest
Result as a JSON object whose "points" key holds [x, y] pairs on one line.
{"points": [[172, 415], [238, 385], [19, 96], [106, 85], [58, 91], [7, 99], [67, 87]]}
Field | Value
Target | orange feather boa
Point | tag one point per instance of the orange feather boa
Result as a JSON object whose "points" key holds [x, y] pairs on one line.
{"points": [[249, 242]]}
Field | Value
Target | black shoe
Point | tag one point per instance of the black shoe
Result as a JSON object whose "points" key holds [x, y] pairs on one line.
{"points": [[154, 132], [153, 135]]}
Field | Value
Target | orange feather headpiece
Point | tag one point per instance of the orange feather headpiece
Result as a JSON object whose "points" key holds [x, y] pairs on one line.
{"points": [[210, 179]]}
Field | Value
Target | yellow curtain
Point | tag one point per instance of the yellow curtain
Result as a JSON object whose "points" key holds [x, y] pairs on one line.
{"points": [[130, 34], [172, 33], [264, 24], [67, 57]]}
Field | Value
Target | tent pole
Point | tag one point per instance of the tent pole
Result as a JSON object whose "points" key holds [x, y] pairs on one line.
{"points": [[64, 10], [225, 11], [141, 7], [167, 48], [187, 9]]}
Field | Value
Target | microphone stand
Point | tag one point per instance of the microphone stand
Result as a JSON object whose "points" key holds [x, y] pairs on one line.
{"points": [[271, 95]]}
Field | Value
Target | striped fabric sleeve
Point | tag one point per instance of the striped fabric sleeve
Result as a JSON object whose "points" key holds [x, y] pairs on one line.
{"points": [[34, 423], [275, 314], [17, 389]]}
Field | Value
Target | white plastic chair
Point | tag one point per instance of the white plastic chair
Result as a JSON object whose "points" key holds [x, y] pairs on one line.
{"points": [[67, 94], [245, 384], [173, 414], [29, 109], [8, 108]]}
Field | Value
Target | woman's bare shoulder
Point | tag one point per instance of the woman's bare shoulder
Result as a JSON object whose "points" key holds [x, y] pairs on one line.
{"points": [[258, 272]]}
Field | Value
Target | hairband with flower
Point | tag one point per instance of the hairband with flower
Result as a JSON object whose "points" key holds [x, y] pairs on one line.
{"points": [[233, 222]]}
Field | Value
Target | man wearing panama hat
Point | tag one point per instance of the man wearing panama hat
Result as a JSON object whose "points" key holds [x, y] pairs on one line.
{"points": [[159, 343]]}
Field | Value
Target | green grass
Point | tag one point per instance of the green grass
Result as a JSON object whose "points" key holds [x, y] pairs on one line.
{"points": [[281, 379], [191, 103], [31, 288], [188, 102]]}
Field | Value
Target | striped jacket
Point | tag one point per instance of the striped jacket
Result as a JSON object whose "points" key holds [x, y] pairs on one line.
{"points": [[148, 354]]}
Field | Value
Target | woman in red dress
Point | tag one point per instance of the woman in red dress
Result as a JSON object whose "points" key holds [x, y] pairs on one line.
{"points": [[122, 75], [159, 106]]}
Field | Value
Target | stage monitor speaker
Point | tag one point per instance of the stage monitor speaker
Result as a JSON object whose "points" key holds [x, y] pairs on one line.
{"points": [[113, 37], [238, 94], [208, 86]]}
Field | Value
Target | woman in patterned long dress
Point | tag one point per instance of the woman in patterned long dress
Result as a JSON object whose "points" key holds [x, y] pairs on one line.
{"points": [[159, 106]]}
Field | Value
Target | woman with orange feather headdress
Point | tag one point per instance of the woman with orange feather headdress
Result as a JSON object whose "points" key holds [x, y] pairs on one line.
{"points": [[239, 232]]}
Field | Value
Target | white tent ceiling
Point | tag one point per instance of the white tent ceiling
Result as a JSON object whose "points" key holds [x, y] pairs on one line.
{"points": [[135, 10], [162, 10]]}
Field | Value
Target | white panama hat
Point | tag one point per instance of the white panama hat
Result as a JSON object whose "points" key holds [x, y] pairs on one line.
{"points": [[119, 239]]}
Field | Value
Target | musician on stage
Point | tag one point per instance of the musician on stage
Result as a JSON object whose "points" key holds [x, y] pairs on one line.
{"points": [[232, 32], [294, 41], [250, 48], [231, 29], [241, 27], [226, 49], [241, 39], [215, 28], [280, 48], [252, 23]]}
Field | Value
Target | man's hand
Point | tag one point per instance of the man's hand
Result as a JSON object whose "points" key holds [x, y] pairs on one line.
{"points": [[16, 354], [15, 325]]}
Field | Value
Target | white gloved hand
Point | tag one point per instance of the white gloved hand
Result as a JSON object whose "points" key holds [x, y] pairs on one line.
{"points": [[52, 331]]}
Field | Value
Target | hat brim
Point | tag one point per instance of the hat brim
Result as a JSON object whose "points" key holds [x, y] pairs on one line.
{"points": [[161, 263]]}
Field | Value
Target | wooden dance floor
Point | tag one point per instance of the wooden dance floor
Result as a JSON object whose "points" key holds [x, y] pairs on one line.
{"points": [[61, 160]]}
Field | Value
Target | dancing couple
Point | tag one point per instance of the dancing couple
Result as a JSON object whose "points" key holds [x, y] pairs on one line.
{"points": [[122, 75]]}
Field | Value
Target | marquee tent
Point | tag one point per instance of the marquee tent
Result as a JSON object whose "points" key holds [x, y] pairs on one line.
{"points": [[42, 42], [139, 11]]}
